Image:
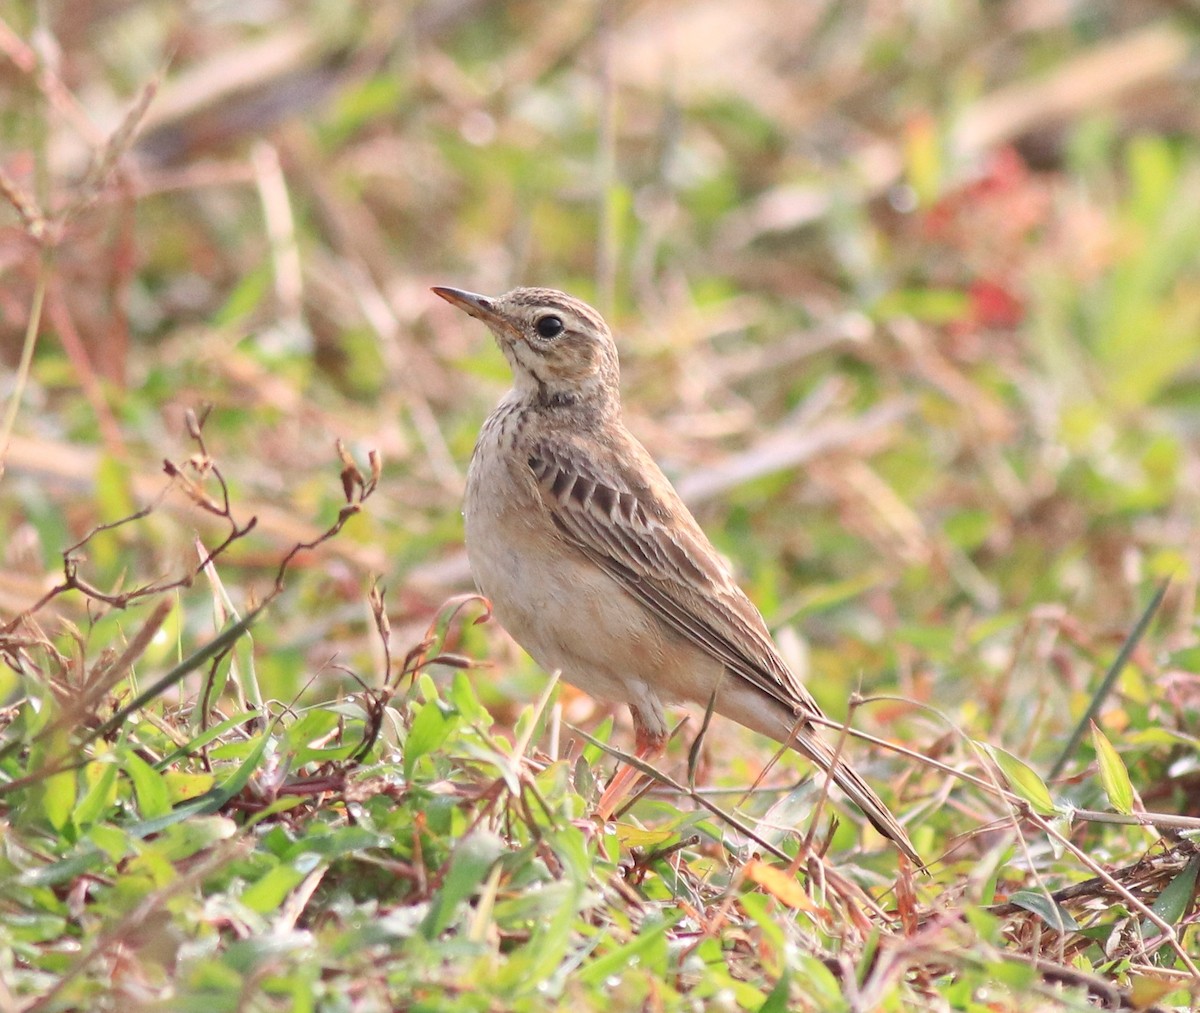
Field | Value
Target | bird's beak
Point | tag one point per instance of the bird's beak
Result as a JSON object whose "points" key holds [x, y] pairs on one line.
{"points": [[478, 306]]}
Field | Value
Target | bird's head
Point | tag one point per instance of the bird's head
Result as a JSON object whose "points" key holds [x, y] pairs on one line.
{"points": [[560, 349]]}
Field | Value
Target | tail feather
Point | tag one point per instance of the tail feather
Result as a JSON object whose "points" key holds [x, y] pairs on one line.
{"points": [[748, 705], [858, 791]]}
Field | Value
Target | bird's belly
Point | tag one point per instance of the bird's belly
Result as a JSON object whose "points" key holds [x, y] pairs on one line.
{"points": [[571, 616]]}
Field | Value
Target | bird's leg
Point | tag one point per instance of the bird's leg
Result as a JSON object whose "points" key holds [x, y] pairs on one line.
{"points": [[647, 745]]}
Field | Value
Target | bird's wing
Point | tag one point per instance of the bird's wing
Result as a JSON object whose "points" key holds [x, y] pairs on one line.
{"points": [[617, 507], [619, 510]]}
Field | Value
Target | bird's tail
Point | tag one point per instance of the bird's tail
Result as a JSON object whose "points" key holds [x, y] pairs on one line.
{"points": [[859, 792]]}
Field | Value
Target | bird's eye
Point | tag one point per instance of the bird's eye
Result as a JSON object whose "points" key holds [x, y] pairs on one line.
{"points": [[549, 326]]}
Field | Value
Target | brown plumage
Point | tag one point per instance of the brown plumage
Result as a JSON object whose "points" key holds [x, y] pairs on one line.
{"points": [[594, 564]]}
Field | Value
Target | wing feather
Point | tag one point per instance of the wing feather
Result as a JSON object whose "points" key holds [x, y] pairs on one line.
{"points": [[630, 522]]}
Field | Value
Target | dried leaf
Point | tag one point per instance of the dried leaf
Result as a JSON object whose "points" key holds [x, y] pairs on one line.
{"points": [[779, 884]]}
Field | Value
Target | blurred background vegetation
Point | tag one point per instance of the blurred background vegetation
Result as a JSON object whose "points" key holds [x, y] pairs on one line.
{"points": [[907, 297]]}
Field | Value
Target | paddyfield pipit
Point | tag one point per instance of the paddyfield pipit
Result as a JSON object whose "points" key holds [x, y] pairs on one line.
{"points": [[593, 563]]}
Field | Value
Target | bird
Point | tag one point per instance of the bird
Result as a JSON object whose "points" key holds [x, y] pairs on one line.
{"points": [[594, 565]]}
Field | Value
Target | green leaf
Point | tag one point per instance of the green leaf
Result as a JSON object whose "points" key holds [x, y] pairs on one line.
{"points": [[1113, 774], [272, 889], [1023, 780], [316, 724], [429, 730], [1053, 914], [1187, 659], [635, 953], [153, 798], [113, 841], [57, 790], [182, 840], [466, 701], [239, 664], [183, 785], [777, 1001], [194, 745], [759, 908], [235, 782], [1173, 902], [101, 776], [550, 943], [1019, 977], [113, 489], [536, 907], [468, 866], [246, 295]]}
